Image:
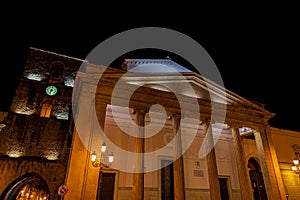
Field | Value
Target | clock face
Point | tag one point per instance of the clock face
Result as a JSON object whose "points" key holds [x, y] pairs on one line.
{"points": [[51, 90]]}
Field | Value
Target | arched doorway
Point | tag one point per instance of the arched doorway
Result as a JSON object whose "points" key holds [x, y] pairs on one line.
{"points": [[257, 181], [28, 186]]}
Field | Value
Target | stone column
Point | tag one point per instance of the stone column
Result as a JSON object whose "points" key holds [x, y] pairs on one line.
{"points": [[244, 179], [82, 178], [267, 166], [138, 176], [275, 165], [179, 189], [101, 114], [214, 186]]}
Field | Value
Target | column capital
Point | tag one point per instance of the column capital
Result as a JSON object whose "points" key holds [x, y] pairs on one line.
{"points": [[257, 131], [206, 121], [234, 127], [140, 110], [99, 103], [177, 115]]}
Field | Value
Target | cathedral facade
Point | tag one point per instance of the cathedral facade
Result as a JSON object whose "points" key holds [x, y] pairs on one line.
{"points": [[150, 130]]}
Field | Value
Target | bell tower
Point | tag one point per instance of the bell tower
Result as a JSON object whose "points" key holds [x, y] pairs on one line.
{"points": [[38, 128]]}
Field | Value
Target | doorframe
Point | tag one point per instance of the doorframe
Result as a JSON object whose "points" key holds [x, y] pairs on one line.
{"points": [[160, 158], [256, 159], [116, 182], [229, 188]]}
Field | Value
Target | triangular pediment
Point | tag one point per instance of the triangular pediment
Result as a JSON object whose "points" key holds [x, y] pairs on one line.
{"points": [[166, 75]]}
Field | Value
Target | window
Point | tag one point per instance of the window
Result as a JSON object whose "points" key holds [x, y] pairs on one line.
{"points": [[46, 109], [56, 72]]}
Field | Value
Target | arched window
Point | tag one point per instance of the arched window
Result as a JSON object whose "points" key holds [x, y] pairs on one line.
{"points": [[56, 72], [46, 109]]}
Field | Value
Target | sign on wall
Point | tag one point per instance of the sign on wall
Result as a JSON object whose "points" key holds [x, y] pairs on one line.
{"points": [[62, 190]]}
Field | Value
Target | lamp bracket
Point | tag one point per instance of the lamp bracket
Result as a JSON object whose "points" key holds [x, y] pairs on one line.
{"points": [[97, 163]]}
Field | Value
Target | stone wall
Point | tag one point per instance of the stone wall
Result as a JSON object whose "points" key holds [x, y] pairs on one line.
{"points": [[39, 64], [283, 141], [33, 144], [30, 95]]}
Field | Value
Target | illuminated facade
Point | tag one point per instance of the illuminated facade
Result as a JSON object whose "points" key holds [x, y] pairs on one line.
{"points": [[41, 148]]}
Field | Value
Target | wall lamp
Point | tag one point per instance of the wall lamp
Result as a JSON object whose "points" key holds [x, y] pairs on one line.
{"points": [[101, 161], [296, 164]]}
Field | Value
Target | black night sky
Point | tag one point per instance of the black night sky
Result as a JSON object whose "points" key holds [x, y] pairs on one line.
{"points": [[257, 58]]}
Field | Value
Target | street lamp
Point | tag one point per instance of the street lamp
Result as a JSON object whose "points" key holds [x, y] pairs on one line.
{"points": [[100, 162]]}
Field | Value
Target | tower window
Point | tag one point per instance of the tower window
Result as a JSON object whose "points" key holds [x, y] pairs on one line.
{"points": [[56, 72], [46, 109]]}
